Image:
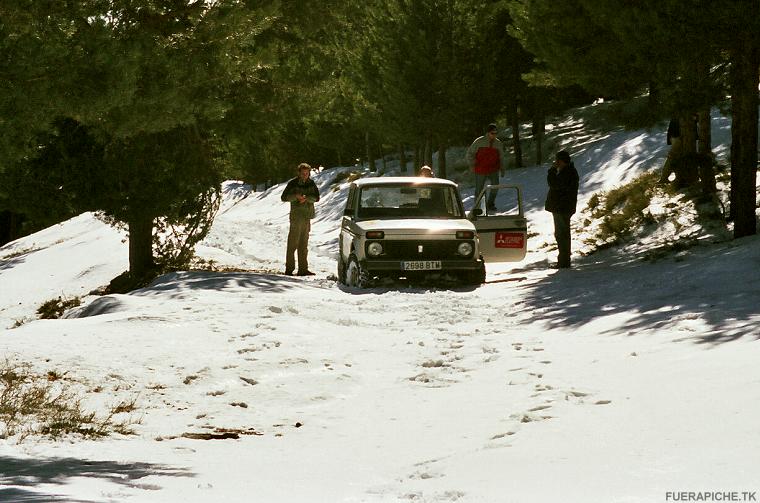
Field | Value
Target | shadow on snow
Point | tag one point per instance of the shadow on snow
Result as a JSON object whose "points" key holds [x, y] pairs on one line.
{"points": [[26, 474], [715, 290]]}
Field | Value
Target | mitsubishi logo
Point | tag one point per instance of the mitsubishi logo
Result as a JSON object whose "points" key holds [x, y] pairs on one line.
{"points": [[419, 248]]}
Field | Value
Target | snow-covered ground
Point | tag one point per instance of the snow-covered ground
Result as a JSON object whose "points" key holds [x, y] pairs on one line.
{"points": [[616, 381]]}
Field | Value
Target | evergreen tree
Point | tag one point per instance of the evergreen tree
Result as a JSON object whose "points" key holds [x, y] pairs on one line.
{"points": [[142, 78], [679, 49]]}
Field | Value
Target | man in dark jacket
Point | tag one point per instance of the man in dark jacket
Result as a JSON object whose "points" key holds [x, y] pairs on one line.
{"points": [[301, 192], [561, 200]]}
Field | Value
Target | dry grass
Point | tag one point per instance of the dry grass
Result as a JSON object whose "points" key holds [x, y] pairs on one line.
{"points": [[621, 211], [672, 220], [54, 308], [45, 405]]}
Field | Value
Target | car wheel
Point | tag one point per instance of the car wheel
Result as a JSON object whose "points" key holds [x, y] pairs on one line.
{"points": [[476, 277], [355, 275], [341, 270]]}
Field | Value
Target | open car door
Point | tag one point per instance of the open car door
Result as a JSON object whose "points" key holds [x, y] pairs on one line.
{"points": [[503, 229]]}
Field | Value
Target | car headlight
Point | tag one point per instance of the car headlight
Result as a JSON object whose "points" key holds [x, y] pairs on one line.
{"points": [[465, 249], [374, 249]]}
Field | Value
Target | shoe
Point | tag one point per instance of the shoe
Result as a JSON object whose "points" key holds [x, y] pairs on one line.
{"points": [[288, 273], [305, 273], [491, 209]]}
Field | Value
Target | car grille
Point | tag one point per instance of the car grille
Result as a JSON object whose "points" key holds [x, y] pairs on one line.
{"points": [[409, 250]]}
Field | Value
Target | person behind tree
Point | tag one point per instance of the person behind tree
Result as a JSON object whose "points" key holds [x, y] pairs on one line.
{"points": [[674, 140], [301, 192], [486, 159], [561, 200]]}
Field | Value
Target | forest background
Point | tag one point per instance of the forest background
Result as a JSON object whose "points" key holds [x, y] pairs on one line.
{"points": [[139, 109]]}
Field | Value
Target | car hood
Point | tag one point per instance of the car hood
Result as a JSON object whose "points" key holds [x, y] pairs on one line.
{"points": [[407, 226]]}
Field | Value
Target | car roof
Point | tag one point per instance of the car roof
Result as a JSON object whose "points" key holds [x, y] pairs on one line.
{"points": [[403, 180]]}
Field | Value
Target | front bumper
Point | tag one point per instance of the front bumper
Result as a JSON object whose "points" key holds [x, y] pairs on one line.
{"points": [[396, 266]]}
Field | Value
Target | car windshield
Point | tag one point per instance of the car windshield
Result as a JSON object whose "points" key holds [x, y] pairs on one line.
{"points": [[409, 201]]}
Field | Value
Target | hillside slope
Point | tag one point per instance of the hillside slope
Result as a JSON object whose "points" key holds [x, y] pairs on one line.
{"points": [[616, 381]]}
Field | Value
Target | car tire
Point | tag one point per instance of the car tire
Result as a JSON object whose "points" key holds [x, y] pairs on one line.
{"points": [[356, 276], [476, 277], [341, 270]]}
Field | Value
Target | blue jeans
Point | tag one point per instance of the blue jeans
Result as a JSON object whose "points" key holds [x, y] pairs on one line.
{"points": [[483, 180]]}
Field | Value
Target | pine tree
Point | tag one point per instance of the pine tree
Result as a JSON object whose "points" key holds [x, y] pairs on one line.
{"points": [[679, 49], [148, 81]]}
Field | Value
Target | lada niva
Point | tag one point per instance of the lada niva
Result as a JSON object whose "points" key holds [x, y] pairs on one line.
{"points": [[410, 227]]}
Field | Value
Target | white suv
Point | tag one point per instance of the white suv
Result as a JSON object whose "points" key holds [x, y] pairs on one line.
{"points": [[410, 227]]}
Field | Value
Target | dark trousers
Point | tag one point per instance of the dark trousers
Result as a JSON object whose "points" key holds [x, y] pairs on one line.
{"points": [[481, 181], [298, 241], [562, 235]]}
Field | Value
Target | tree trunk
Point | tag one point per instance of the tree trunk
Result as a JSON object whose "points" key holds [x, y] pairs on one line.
{"points": [[539, 126], [10, 226], [370, 159], [736, 120], [686, 166], [441, 160], [653, 101], [385, 162], [428, 153], [705, 134], [745, 60], [402, 158], [140, 245], [516, 137], [704, 149], [417, 159]]}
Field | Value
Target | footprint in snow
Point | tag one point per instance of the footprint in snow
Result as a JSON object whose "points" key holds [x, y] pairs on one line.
{"points": [[540, 407], [528, 417], [432, 364], [450, 496], [503, 435], [294, 361], [425, 475], [190, 379], [575, 394], [432, 381]]}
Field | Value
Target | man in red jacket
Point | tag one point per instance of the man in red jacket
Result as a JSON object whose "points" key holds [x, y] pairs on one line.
{"points": [[486, 158]]}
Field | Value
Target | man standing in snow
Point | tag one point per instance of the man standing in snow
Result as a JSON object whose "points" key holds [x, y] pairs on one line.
{"points": [[486, 159], [561, 200], [301, 192]]}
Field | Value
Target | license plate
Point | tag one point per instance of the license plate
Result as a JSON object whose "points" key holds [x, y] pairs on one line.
{"points": [[421, 265]]}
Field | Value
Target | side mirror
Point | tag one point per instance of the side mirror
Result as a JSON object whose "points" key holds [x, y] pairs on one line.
{"points": [[476, 212]]}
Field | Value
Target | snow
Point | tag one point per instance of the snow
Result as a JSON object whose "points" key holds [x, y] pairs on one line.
{"points": [[617, 381]]}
